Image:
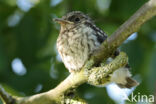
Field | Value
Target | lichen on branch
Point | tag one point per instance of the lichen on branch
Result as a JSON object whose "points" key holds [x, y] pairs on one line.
{"points": [[99, 75]]}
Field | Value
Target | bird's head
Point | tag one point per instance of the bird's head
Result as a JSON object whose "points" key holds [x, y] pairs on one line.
{"points": [[73, 19]]}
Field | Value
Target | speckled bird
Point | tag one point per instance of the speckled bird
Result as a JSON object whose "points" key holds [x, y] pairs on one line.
{"points": [[79, 37]]}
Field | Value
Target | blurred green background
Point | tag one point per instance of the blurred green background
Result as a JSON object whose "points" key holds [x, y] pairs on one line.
{"points": [[30, 64]]}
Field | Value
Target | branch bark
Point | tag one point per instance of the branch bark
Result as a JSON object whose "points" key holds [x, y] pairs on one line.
{"points": [[146, 12], [95, 75], [99, 75], [6, 97], [56, 95]]}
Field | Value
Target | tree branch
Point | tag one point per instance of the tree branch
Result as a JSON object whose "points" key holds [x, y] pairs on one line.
{"points": [[99, 75], [75, 79], [95, 75], [7, 98], [147, 11]]}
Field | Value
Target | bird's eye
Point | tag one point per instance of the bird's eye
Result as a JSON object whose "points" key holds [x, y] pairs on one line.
{"points": [[77, 19]]}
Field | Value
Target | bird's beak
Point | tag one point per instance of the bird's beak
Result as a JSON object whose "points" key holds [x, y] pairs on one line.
{"points": [[62, 21]]}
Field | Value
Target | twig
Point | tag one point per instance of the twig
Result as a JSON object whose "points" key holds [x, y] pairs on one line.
{"points": [[8, 99]]}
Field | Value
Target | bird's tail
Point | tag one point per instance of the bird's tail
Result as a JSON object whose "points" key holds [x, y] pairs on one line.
{"points": [[122, 77], [130, 83]]}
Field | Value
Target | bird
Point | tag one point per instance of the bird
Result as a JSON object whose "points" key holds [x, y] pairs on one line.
{"points": [[78, 39]]}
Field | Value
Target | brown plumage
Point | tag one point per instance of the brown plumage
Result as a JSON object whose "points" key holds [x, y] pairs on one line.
{"points": [[78, 39]]}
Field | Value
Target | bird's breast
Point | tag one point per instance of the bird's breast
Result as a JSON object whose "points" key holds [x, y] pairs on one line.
{"points": [[75, 46]]}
